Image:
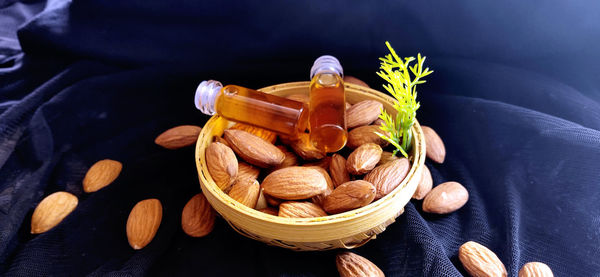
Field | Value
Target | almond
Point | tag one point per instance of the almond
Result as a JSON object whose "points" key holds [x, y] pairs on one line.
{"points": [[294, 183], [261, 203], [178, 137], [101, 174], [349, 196], [272, 200], [535, 269], [267, 135], [322, 163], [304, 148], [435, 149], [387, 157], [363, 113], [354, 80], [445, 198], [388, 176], [338, 171], [363, 159], [304, 98], [300, 209], [270, 210], [52, 210], [222, 164], [365, 134], [290, 158], [221, 140], [479, 261], [348, 105], [198, 217], [245, 191], [319, 198], [425, 184], [143, 222], [246, 171], [253, 149], [352, 265]]}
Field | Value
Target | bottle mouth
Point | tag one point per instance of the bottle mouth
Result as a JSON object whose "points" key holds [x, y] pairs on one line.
{"points": [[205, 97], [326, 63]]}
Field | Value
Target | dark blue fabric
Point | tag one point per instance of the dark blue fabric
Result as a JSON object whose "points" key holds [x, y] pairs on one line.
{"points": [[515, 95]]}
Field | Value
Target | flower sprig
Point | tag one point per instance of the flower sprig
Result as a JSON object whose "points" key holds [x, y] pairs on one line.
{"points": [[402, 85]]}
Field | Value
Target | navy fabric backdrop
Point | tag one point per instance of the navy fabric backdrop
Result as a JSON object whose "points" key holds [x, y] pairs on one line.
{"points": [[515, 95]]}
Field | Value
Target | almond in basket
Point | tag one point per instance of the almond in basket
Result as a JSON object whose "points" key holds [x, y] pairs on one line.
{"points": [[349, 196], [253, 149], [294, 183], [387, 177]]}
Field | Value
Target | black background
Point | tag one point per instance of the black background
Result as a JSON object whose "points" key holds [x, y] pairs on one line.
{"points": [[515, 96]]}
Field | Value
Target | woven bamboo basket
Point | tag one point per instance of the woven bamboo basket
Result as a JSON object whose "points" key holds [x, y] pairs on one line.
{"points": [[345, 230]]}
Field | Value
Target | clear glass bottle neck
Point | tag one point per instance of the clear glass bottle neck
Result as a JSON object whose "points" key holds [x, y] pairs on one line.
{"points": [[326, 63], [206, 95]]}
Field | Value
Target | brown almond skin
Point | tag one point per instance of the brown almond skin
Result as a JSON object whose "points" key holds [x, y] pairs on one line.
{"points": [[221, 140], [267, 135], [425, 184], [365, 134], [222, 164], [337, 168], [352, 265], [304, 148], [387, 157], [445, 198], [245, 191], [363, 159], [253, 149], [378, 122], [290, 158], [197, 217], [363, 113], [387, 177], [294, 183], [261, 203], [246, 171], [270, 210], [321, 197], [480, 261], [52, 210], [143, 222], [535, 269], [322, 163], [178, 137], [300, 210], [354, 80], [272, 200], [435, 149], [101, 174], [349, 196]]}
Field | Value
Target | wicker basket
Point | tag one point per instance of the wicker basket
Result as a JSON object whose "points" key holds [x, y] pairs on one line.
{"points": [[345, 230]]}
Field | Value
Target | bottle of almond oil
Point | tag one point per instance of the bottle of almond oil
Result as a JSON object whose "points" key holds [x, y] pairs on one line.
{"points": [[327, 105], [235, 103]]}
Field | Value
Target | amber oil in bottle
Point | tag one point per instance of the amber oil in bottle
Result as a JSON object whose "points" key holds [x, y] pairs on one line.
{"points": [[239, 104], [327, 105]]}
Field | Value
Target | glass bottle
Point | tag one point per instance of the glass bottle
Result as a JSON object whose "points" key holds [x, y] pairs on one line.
{"points": [[327, 105], [240, 104]]}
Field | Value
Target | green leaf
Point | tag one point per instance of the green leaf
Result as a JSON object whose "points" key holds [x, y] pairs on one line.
{"points": [[402, 79]]}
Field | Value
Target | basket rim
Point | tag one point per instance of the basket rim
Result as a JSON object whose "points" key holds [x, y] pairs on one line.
{"points": [[207, 183]]}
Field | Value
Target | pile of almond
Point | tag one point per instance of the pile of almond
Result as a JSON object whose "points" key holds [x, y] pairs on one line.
{"points": [[290, 178]]}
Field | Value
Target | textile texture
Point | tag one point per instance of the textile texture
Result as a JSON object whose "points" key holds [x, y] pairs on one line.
{"points": [[515, 95]]}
